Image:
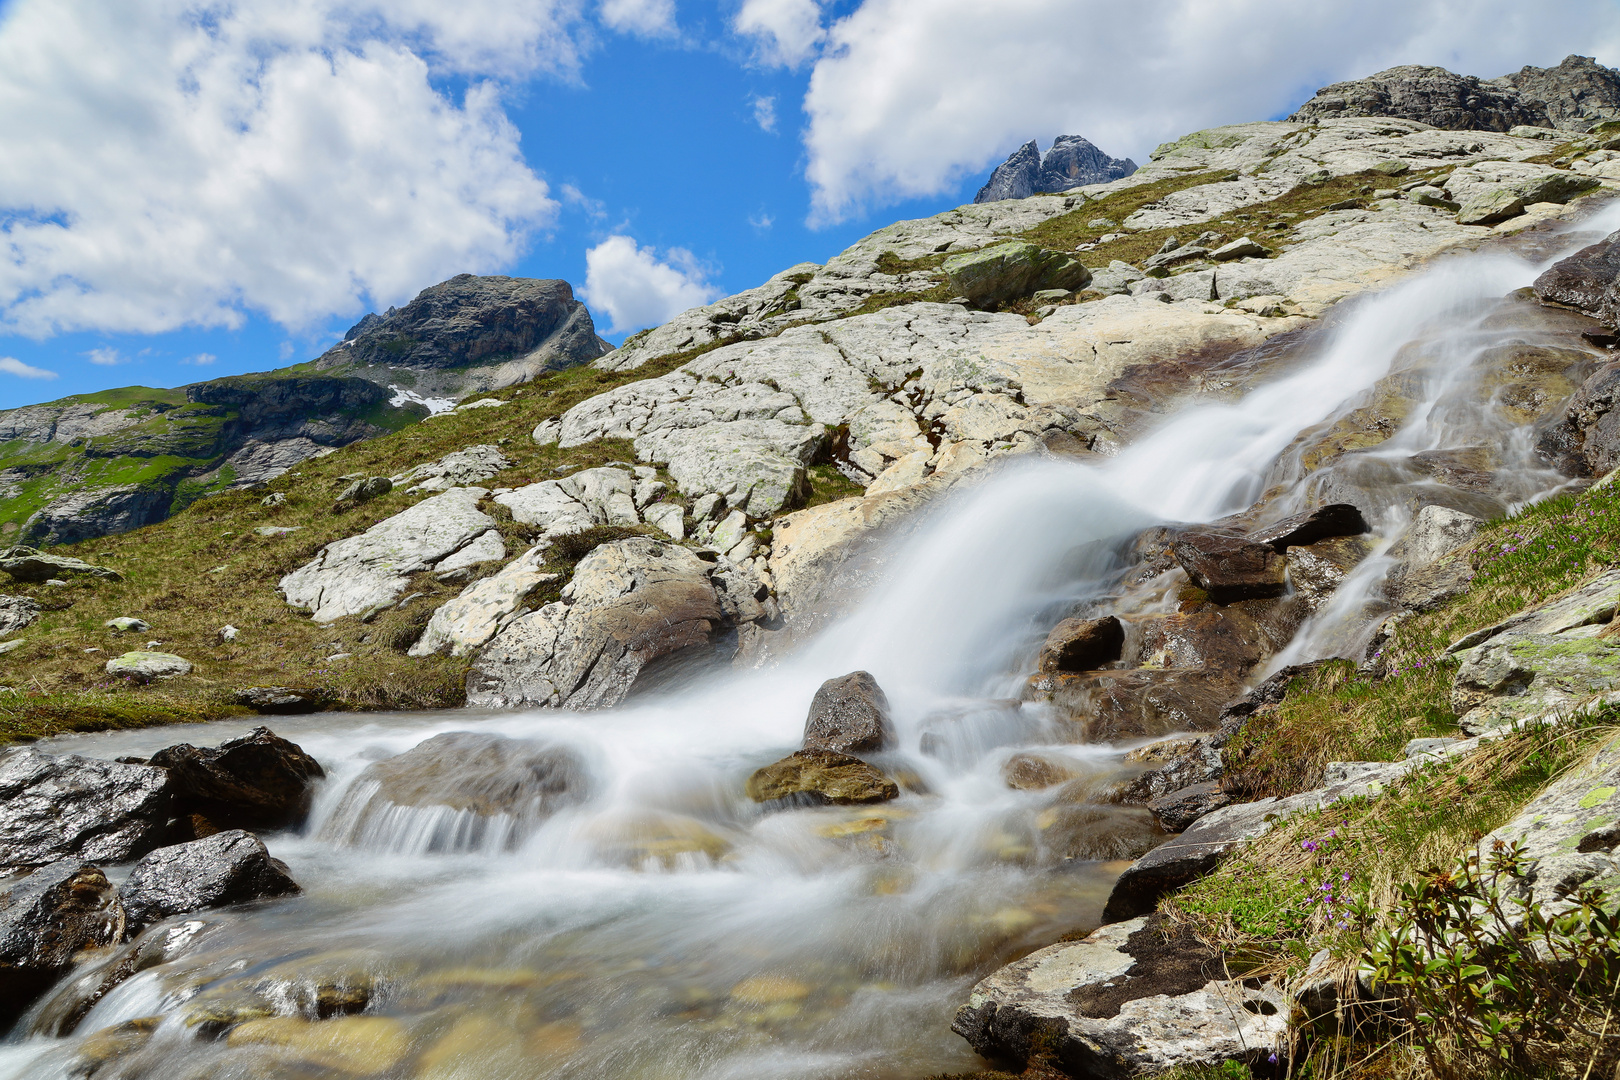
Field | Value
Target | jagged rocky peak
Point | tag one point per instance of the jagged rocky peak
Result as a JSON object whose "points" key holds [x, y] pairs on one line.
{"points": [[1574, 95], [527, 325], [1073, 161]]}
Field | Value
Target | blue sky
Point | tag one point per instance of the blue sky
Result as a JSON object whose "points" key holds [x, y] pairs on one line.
{"points": [[191, 189]]}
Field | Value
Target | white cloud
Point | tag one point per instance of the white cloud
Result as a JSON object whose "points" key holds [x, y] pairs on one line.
{"points": [[184, 162], [764, 113], [761, 221], [785, 32], [911, 95], [636, 288], [202, 359], [12, 366], [644, 18], [106, 357]]}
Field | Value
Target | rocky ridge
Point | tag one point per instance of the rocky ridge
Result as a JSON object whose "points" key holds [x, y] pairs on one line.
{"points": [[1072, 161]]}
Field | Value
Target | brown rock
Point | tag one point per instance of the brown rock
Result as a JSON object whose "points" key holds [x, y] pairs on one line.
{"points": [[1109, 706], [1032, 772], [46, 919], [1092, 832], [1230, 568], [1180, 808], [1337, 519], [821, 776], [1221, 638], [1082, 644], [849, 713], [1588, 280], [260, 781]]}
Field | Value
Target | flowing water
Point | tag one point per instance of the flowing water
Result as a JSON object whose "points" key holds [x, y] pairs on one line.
{"points": [[653, 922]]}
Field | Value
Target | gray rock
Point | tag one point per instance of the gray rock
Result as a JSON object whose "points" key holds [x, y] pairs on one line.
{"points": [[1011, 270], [143, 666], [1241, 248], [1429, 95], [275, 498], [1573, 95], [230, 867], [461, 625], [1014, 178], [86, 512], [361, 491], [1074, 161], [1178, 809], [71, 807], [276, 530], [29, 564], [849, 714], [1174, 256], [1116, 279], [363, 574], [1426, 573], [277, 699], [46, 920], [1494, 191], [1130, 1000], [637, 612], [1584, 439], [17, 613], [259, 781], [590, 497], [127, 625], [461, 468], [228, 634]]}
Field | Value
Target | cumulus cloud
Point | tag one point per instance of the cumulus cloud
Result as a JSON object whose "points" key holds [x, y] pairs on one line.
{"points": [[644, 18], [765, 113], [185, 162], [105, 357], [786, 33], [12, 366], [636, 288], [908, 96]]}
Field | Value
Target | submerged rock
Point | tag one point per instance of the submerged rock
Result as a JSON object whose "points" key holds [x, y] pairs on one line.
{"points": [[1082, 644], [821, 776], [486, 774], [230, 867], [848, 714], [259, 781], [1132, 999], [72, 807], [46, 920]]}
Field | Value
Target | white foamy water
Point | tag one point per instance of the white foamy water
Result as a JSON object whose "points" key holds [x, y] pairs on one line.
{"points": [[658, 923]]}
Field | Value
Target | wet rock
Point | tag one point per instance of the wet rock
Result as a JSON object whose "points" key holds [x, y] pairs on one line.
{"points": [[1132, 999], [29, 564], [489, 777], [1178, 809], [1230, 568], [1111, 706], [1172, 764], [353, 1045], [1225, 639], [144, 667], [638, 613], [17, 613], [259, 781], [363, 574], [1316, 570], [361, 491], [46, 920], [1033, 772], [72, 807], [849, 714], [1585, 438], [1011, 270], [1082, 644], [1297, 530], [821, 776], [1588, 280], [1090, 832], [277, 699], [230, 867]]}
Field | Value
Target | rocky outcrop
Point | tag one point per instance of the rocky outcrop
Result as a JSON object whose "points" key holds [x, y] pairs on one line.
{"points": [[78, 808], [1588, 280], [460, 468], [1429, 95], [29, 564], [366, 573], [17, 613], [1008, 271], [1574, 95], [821, 777], [259, 781], [638, 612], [1426, 572], [470, 333], [46, 920], [849, 714], [1071, 162], [230, 867], [460, 626], [1132, 999]]}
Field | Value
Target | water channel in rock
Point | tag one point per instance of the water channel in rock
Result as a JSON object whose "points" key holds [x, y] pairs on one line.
{"points": [[641, 918]]}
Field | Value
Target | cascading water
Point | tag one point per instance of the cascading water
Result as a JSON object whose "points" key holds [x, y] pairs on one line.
{"points": [[638, 916]]}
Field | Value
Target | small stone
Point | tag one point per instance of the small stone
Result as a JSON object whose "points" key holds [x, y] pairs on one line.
{"points": [[143, 666], [363, 491], [707, 506], [547, 432], [17, 643], [848, 714], [1082, 644], [126, 624], [228, 632], [275, 498], [1241, 248], [16, 612], [821, 776], [276, 530]]}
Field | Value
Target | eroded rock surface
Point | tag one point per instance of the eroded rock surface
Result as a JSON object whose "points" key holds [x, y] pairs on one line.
{"points": [[461, 625]]}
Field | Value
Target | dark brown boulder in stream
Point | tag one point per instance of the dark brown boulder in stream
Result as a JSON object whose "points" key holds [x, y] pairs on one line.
{"points": [[1082, 644], [1588, 280], [46, 920], [1296, 530], [1230, 568], [1110, 706], [230, 867], [72, 807], [1585, 439], [821, 776], [849, 714], [1226, 639], [260, 781]]}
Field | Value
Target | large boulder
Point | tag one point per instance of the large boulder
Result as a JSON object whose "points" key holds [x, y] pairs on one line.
{"points": [[821, 777], [849, 714], [1309, 526], [638, 613], [1011, 270], [1588, 280], [363, 574], [1132, 999], [1429, 95], [1230, 568], [461, 625], [143, 666], [29, 564], [72, 807], [278, 700], [230, 867], [1585, 438], [46, 920], [259, 781], [477, 787], [1426, 572], [1082, 644]]}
